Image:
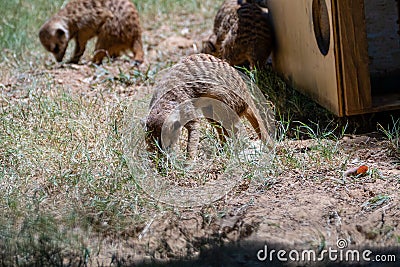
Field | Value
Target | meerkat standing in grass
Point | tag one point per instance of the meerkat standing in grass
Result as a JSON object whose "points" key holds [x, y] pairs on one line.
{"points": [[115, 23], [199, 81], [242, 33]]}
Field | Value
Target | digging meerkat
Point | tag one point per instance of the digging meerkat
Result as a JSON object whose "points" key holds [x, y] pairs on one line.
{"points": [[199, 83]]}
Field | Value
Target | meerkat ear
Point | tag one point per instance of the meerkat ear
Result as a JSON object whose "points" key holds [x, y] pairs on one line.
{"points": [[60, 32], [208, 47], [177, 125]]}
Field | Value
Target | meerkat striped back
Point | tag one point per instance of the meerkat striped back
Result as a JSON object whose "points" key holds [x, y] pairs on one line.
{"points": [[199, 76], [250, 39], [242, 34]]}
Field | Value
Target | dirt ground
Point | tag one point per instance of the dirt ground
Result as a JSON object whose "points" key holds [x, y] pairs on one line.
{"points": [[302, 209]]}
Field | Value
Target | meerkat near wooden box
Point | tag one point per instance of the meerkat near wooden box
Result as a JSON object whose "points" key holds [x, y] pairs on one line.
{"points": [[195, 78], [115, 23], [242, 33]]}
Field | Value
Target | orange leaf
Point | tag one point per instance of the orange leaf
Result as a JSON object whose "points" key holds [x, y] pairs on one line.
{"points": [[362, 169]]}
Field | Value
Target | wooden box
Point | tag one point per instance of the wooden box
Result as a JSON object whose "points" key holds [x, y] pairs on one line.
{"points": [[345, 54]]}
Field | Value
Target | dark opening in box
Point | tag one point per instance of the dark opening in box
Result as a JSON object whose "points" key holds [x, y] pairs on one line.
{"points": [[383, 38]]}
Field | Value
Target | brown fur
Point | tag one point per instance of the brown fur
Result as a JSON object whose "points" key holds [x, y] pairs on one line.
{"points": [[115, 23], [242, 34], [199, 76]]}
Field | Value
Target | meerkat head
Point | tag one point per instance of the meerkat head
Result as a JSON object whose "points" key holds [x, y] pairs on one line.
{"points": [[54, 36], [171, 131], [208, 45]]}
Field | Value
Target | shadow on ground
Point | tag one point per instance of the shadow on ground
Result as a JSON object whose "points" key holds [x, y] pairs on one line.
{"points": [[245, 254]]}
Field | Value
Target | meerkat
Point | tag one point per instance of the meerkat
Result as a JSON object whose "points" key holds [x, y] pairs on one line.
{"points": [[203, 82], [242, 33], [115, 23]]}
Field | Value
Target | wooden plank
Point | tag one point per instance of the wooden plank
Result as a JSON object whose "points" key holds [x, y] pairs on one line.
{"points": [[338, 63], [353, 47], [298, 57]]}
